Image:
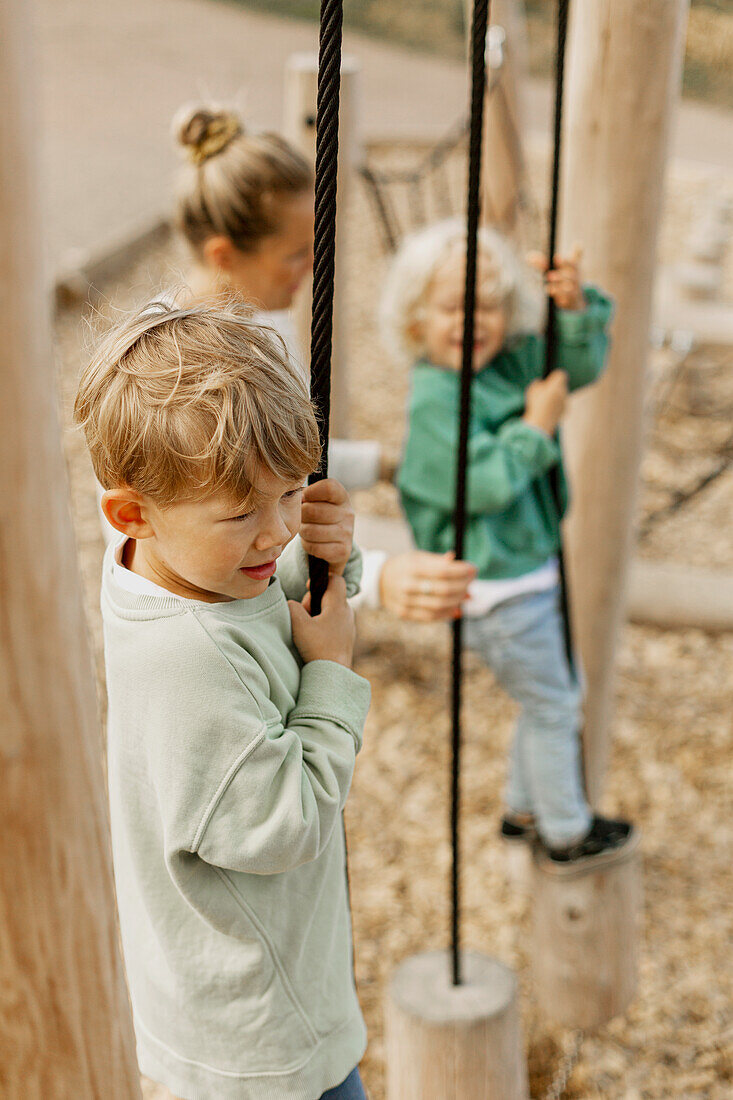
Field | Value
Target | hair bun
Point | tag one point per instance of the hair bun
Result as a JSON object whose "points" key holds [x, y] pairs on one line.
{"points": [[205, 131]]}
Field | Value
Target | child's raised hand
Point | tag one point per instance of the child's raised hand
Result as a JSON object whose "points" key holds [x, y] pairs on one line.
{"points": [[330, 635], [545, 401], [562, 283], [327, 523], [425, 587]]}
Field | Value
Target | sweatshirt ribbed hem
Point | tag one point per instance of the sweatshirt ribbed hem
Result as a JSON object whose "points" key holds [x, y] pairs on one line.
{"points": [[330, 1063]]}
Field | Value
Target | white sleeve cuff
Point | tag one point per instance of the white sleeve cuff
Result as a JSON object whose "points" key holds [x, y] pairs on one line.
{"points": [[369, 596], [354, 462]]}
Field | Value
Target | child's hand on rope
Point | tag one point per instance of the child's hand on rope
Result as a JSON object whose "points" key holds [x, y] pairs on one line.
{"points": [[562, 283], [327, 523], [545, 402], [425, 587], [330, 635]]}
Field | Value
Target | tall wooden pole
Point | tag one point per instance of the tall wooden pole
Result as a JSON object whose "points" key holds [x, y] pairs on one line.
{"points": [[65, 1026], [503, 157], [503, 154], [623, 80]]}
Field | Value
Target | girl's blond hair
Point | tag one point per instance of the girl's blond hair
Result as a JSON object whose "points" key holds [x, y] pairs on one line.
{"points": [[179, 404], [235, 181], [413, 268]]}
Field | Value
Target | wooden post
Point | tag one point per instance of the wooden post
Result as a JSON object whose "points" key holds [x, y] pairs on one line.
{"points": [[447, 1042], [619, 109], [585, 939], [65, 1026], [301, 84], [502, 155]]}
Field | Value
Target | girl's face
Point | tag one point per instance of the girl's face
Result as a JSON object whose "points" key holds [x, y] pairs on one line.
{"points": [[271, 273], [439, 328]]}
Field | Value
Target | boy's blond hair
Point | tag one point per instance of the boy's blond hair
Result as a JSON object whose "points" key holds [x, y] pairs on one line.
{"points": [[515, 285], [179, 404]]}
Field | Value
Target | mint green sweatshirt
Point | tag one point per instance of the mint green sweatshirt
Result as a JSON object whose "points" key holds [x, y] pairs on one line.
{"points": [[512, 523], [229, 766]]}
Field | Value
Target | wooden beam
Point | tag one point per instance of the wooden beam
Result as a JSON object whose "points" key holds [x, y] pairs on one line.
{"points": [[65, 1027], [619, 110], [675, 597]]}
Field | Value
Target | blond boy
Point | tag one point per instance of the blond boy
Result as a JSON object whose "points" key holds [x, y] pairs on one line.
{"points": [[234, 717]]}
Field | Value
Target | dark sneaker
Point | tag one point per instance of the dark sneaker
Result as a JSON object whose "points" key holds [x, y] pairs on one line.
{"points": [[513, 831], [602, 844]]}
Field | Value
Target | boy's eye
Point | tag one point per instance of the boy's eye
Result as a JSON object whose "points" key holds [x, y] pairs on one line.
{"points": [[244, 515], [292, 492]]}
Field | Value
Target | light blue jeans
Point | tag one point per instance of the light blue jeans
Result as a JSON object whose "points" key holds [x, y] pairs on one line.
{"points": [[350, 1089], [521, 641]]}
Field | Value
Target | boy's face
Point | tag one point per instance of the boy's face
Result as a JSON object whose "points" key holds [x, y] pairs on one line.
{"points": [[208, 549], [440, 327]]}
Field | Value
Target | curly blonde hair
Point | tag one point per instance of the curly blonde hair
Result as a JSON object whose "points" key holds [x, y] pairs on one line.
{"points": [[418, 259], [179, 404]]}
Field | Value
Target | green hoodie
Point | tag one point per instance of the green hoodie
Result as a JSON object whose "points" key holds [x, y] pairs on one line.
{"points": [[229, 766], [512, 524]]}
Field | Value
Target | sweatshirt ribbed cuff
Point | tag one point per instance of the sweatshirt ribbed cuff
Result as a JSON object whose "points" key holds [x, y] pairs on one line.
{"points": [[332, 691], [574, 326], [536, 449]]}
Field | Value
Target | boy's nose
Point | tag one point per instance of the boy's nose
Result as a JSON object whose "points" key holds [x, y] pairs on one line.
{"points": [[274, 532]]}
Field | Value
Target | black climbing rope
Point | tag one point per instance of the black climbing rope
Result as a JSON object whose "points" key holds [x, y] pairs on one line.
{"points": [[324, 251], [551, 324], [478, 85]]}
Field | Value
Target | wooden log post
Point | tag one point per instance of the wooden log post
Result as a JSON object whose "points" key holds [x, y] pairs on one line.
{"points": [[447, 1042], [585, 939], [299, 127], [619, 110], [65, 1027], [502, 153]]}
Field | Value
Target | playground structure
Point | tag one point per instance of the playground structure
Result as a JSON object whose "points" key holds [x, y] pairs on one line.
{"points": [[582, 172]]}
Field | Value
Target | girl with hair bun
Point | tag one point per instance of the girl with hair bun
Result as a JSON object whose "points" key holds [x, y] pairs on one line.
{"points": [[245, 208]]}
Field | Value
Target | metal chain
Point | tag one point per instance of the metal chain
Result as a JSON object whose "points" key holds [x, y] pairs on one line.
{"points": [[565, 1068]]}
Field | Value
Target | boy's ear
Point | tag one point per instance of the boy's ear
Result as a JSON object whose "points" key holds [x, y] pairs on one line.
{"points": [[126, 511], [219, 253]]}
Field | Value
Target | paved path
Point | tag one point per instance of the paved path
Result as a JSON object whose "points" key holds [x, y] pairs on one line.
{"points": [[113, 72]]}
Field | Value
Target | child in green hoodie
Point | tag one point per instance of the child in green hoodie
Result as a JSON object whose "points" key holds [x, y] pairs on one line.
{"points": [[234, 717], [512, 617]]}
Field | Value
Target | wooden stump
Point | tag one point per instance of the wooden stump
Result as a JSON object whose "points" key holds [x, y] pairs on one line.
{"points": [[585, 931], [518, 865], [447, 1042]]}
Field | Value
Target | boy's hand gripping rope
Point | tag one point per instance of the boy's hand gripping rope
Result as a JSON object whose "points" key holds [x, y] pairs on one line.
{"points": [[327, 124], [478, 86]]}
